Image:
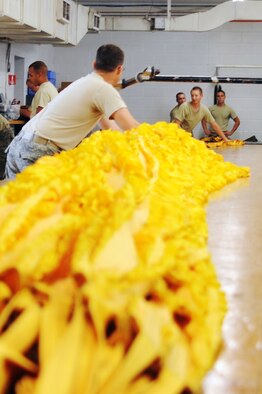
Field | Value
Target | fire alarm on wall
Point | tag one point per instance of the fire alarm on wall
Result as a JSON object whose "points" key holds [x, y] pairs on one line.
{"points": [[11, 79]]}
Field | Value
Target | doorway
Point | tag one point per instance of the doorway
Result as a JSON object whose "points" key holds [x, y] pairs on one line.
{"points": [[19, 88]]}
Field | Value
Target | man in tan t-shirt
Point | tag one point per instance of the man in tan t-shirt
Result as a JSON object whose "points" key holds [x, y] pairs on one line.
{"points": [[74, 112], [193, 112], [180, 99], [37, 76], [222, 113]]}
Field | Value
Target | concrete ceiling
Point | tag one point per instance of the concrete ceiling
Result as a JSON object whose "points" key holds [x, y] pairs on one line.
{"points": [[149, 8]]}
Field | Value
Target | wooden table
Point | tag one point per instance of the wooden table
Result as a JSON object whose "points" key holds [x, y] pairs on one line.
{"points": [[14, 122], [235, 240]]}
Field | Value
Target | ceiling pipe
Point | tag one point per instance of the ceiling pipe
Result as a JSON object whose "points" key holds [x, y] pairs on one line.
{"points": [[168, 14], [229, 11]]}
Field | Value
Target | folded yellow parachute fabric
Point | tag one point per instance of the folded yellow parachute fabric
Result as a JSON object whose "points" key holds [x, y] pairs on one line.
{"points": [[215, 142], [106, 283]]}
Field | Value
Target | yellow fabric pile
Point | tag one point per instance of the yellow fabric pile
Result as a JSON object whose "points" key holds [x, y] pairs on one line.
{"points": [[215, 142], [106, 283]]}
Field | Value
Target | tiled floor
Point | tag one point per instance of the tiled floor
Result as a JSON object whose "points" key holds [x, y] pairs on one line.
{"points": [[235, 240]]}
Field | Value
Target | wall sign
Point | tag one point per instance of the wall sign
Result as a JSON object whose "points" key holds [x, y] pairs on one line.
{"points": [[11, 79]]}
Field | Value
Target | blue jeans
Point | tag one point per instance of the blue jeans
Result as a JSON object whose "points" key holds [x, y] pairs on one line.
{"points": [[23, 152]]}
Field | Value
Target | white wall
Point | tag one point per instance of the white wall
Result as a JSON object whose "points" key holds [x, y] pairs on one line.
{"points": [[180, 53]]}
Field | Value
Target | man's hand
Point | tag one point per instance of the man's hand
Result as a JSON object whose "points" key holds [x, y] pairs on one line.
{"points": [[207, 132], [25, 112], [217, 129], [228, 133], [235, 127]]}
